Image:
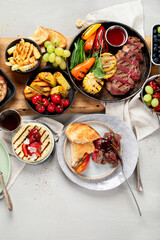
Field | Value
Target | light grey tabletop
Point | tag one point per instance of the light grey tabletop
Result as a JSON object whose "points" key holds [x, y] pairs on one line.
{"points": [[46, 204]]}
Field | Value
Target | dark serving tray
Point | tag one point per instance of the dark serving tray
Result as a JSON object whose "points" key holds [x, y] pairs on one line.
{"points": [[145, 67], [11, 89]]}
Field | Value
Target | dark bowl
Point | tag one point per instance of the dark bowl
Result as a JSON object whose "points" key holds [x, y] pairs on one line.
{"points": [[72, 90], [143, 91], [155, 43], [145, 67], [26, 40], [11, 89]]}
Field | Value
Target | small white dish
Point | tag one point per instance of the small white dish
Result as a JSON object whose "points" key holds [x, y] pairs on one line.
{"points": [[49, 153]]}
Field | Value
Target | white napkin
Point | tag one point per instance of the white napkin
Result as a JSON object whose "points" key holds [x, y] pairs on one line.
{"points": [[16, 165], [132, 111]]}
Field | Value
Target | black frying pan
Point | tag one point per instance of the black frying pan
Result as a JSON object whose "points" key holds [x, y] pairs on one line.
{"points": [[145, 67], [72, 90]]}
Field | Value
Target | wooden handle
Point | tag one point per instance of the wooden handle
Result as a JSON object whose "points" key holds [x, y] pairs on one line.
{"points": [[6, 195]]}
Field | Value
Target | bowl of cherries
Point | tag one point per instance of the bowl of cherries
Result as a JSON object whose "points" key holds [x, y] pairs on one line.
{"points": [[49, 92], [151, 93]]}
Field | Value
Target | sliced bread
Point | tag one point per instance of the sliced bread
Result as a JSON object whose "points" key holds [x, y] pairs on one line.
{"points": [[81, 133], [78, 150]]}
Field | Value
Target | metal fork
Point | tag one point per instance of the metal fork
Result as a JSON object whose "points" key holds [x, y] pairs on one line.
{"points": [[138, 176], [121, 162]]}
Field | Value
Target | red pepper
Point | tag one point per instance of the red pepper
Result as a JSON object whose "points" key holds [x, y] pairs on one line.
{"points": [[100, 41], [24, 149], [83, 163]]}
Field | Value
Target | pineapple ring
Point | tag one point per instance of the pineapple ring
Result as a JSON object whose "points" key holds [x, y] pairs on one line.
{"points": [[108, 61], [110, 73], [91, 84]]}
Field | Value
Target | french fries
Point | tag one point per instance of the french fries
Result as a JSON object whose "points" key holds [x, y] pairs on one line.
{"points": [[25, 56]]}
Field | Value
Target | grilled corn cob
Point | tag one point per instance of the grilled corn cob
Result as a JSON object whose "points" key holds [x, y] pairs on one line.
{"points": [[91, 84]]}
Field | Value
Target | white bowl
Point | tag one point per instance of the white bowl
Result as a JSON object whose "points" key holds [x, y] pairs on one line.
{"points": [[45, 158]]}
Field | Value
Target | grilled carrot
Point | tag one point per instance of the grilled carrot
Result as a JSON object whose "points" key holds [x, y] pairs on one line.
{"points": [[80, 70]]}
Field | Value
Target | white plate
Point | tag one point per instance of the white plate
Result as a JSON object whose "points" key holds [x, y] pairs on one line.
{"points": [[94, 170], [129, 154]]}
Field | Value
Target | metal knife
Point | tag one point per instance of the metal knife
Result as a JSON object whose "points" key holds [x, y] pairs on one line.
{"points": [[6, 195]]}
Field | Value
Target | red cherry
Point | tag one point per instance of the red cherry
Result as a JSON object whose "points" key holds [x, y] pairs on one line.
{"points": [[36, 99], [40, 108], [59, 109], [55, 98], [51, 107], [156, 95], [64, 103], [157, 109], [153, 85], [45, 102]]}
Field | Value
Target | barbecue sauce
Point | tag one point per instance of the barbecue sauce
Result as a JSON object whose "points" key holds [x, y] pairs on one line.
{"points": [[116, 36]]}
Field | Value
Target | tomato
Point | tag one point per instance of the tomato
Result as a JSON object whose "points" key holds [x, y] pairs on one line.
{"points": [[156, 95], [40, 108], [51, 107], [153, 85], [59, 109], [36, 99], [55, 98], [64, 103], [157, 109], [83, 163], [45, 102]]}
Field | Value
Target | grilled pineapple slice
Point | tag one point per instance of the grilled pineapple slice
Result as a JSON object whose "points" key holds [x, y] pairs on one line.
{"points": [[61, 80], [108, 61], [91, 84], [60, 91], [110, 73], [48, 77]]}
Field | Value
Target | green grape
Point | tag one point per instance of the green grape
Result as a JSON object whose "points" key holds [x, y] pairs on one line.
{"points": [[147, 97], [47, 43], [59, 51], [148, 103], [54, 64], [45, 57], [155, 102], [52, 57], [158, 29], [66, 53], [63, 65], [149, 90], [58, 60], [50, 48], [55, 42]]}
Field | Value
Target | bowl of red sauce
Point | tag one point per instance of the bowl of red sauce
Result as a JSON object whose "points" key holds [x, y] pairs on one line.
{"points": [[116, 36]]}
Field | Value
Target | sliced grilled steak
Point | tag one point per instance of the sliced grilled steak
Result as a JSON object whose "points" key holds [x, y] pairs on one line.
{"points": [[3, 88], [114, 138], [135, 41], [117, 88], [132, 71], [123, 78]]}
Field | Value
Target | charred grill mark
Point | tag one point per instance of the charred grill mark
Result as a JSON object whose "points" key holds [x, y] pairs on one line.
{"points": [[46, 147], [45, 138], [21, 134]]}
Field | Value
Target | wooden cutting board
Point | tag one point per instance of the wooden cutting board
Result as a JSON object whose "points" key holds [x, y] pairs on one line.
{"points": [[82, 103]]}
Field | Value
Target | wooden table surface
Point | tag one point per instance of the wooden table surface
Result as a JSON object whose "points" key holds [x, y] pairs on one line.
{"points": [[82, 103]]}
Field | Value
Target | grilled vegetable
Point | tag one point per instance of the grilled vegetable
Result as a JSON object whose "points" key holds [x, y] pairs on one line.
{"points": [[78, 55], [100, 43], [89, 31], [47, 77], [60, 91], [108, 61], [83, 164], [91, 84], [89, 43], [80, 70], [61, 80]]}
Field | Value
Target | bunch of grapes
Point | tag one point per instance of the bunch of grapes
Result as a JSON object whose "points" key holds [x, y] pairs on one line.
{"points": [[55, 55]]}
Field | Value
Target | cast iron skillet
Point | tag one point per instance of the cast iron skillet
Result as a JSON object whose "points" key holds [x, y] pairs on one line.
{"points": [[145, 67], [72, 90]]}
